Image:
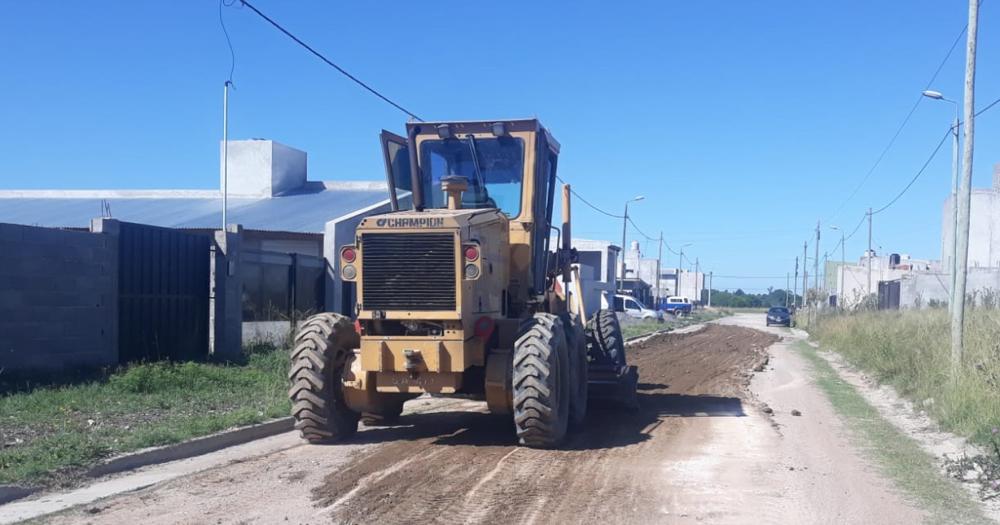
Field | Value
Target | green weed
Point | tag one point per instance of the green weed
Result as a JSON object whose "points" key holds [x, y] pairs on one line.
{"points": [[911, 350], [50, 434]]}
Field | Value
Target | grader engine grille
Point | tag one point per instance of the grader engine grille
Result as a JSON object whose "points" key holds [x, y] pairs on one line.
{"points": [[408, 271]]}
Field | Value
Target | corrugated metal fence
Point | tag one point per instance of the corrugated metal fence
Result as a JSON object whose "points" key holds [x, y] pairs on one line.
{"points": [[163, 293]]}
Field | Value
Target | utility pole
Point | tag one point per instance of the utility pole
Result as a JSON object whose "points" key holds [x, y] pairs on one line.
{"points": [[805, 274], [826, 262], [621, 280], [624, 231], [843, 263], [795, 283], [953, 267], [710, 289], [659, 265], [870, 254], [816, 261], [680, 262], [697, 287], [965, 195], [787, 287]]}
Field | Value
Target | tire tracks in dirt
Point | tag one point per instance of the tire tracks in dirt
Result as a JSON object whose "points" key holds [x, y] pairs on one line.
{"points": [[447, 467]]}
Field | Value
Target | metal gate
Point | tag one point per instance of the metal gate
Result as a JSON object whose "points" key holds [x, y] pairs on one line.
{"points": [[888, 295], [163, 289]]}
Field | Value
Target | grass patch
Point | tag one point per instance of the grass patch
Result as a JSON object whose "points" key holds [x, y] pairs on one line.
{"points": [[640, 328], [49, 435], [899, 456], [911, 350]]}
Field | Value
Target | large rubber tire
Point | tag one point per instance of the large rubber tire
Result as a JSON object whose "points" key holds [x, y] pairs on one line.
{"points": [[605, 344], [576, 343], [322, 347], [541, 382]]}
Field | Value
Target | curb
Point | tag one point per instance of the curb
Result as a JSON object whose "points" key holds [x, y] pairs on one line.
{"points": [[191, 448], [156, 455], [9, 493]]}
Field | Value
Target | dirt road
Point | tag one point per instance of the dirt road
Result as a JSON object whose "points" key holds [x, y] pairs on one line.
{"points": [[700, 449]]}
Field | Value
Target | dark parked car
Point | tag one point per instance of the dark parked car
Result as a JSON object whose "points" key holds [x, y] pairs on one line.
{"points": [[779, 315]]}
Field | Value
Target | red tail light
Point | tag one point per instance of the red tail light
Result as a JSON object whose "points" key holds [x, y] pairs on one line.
{"points": [[484, 327], [471, 253]]}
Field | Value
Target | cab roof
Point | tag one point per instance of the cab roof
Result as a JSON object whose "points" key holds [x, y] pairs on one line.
{"points": [[485, 126]]}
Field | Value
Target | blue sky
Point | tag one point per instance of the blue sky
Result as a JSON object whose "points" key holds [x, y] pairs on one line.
{"points": [[741, 122]]}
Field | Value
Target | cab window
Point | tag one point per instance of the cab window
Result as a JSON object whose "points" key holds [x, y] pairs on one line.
{"points": [[494, 168]]}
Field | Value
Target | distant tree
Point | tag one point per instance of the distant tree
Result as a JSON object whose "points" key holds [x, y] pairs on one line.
{"points": [[742, 299]]}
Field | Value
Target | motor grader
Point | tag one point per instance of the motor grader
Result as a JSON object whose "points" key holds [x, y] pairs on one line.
{"points": [[460, 293]]}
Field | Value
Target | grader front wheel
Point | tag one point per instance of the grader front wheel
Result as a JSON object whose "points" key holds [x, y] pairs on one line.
{"points": [[322, 347], [541, 382]]}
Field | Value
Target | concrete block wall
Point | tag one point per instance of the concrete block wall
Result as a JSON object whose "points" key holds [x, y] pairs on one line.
{"points": [[58, 298]]}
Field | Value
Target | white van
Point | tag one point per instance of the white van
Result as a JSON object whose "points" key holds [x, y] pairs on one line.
{"points": [[633, 307]]}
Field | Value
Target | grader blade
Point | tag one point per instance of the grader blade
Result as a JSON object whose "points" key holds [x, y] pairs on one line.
{"points": [[615, 385]]}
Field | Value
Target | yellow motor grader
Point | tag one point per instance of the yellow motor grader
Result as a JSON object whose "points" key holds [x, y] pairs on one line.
{"points": [[460, 293]]}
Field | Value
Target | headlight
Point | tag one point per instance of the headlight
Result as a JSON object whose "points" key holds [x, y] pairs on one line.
{"points": [[471, 271], [349, 272]]}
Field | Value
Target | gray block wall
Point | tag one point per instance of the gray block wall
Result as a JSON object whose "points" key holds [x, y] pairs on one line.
{"points": [[58, 298]]}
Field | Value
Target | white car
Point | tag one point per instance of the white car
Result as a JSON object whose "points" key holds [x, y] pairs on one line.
{"points": [[633, 307]]}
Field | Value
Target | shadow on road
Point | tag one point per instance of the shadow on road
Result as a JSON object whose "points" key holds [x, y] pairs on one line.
{"points": [[606, 426]]}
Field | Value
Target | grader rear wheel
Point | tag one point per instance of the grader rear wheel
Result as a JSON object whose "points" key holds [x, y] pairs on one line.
{"points": [[322, 347], [541, 382], [605, 343]]}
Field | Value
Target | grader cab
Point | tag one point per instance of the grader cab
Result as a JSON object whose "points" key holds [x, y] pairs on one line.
{"points": [[460, 293]]}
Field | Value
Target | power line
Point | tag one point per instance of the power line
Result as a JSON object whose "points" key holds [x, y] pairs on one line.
{"points": [[856, 228], [929, 159], [232, 53], [987, 108], [657, 239], [917, 176], [902, 125], [648, 238], [585, 201], [329, 62]]}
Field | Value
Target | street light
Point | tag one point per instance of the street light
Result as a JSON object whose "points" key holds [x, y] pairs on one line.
{"points": [[680, 263], [621, 285], [953, 262], [843, 262]]}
